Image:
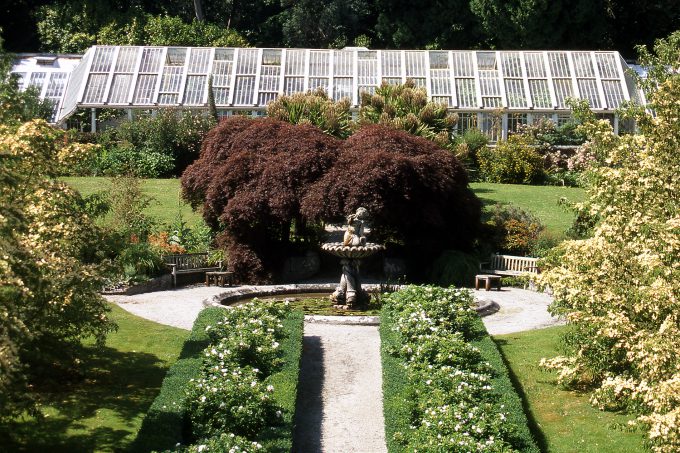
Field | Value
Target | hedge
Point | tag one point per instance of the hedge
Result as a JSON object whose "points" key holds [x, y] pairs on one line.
{"points": [[166, 423], [404, 399]]}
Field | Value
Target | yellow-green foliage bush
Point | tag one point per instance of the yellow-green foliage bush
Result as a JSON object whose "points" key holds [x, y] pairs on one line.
{"points": [[512, 161], [620, 288]]}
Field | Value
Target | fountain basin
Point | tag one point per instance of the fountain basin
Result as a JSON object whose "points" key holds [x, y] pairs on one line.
{"points": [[352, 251]]}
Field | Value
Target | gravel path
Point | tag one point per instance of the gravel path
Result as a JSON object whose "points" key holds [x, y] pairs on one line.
{"points": [[339, 407], [520, 310]]}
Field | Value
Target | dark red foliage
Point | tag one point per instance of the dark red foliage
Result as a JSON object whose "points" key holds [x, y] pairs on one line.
{"points": [[256, 178], [416, 192], [250, 177]]}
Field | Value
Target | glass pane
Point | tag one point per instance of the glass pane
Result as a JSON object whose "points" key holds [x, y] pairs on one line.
{"points": [[342, 88], [391, 64], [466, 121], [37, 79], [583, 65], [606, 64], [151, 60], [439, 60], [318, 63], [144, 89], [613, 93], [167, 99], [175, 56], [563, 90], [415, 64], [293, 85], [127, 58], [94, 91], [540, 93], [56, 86], [512, 66], [559, 64], [199, 60], [463, 64], [489, 83], [295, 62], [243, 92], [222, 54], [266, 98], [103, 57], [221, 73], [195, 90], [221, 95], [269, 78], [486, 61], [271, 57], [588, 90], [172, 79], [342, 63], [514, 91], [515, 120], [491, 102], [440, 81], [318, 82], [465, 89], [367, 72], [120, 89], [535, 64]]}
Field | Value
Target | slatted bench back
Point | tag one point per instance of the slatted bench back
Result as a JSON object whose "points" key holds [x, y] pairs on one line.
{"points": [[514, 263], [188, 261]]}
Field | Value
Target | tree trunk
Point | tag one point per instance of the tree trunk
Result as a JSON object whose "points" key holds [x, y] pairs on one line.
{"points": [[198, 7]]}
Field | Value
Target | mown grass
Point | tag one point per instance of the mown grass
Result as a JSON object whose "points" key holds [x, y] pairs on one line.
{"points": [[166, 204], [539, 200], [103, 411], [562, 421]]}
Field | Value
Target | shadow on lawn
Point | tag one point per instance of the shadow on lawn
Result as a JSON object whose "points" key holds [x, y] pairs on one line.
{"points": [[116, 385], [539, 437]]}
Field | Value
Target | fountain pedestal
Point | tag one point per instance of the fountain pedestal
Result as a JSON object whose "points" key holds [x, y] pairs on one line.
{"points": [[349, 293]]}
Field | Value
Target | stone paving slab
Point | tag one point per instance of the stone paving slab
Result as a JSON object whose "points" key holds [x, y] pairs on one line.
{"points": [[339, 407]]}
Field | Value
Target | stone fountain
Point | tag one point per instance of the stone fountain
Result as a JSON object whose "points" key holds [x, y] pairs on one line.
{"points": [[352, 250]]}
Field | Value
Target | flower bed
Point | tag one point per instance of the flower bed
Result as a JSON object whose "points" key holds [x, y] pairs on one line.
{"points": [[445, 386], [236, 387]]}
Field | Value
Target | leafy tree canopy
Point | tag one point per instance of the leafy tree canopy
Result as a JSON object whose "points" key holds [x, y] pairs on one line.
{"points": [[619, 288]]}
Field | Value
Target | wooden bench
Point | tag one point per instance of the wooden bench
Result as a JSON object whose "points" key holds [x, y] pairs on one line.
{"points": [[189, 263], [219, 278], [508, 265]]}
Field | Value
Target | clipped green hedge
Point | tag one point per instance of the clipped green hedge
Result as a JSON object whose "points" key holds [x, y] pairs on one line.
{"points": [[285, 384], [165, 423], [507, 395], [403, 397]]}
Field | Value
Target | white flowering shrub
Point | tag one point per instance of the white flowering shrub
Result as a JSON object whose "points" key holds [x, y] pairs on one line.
{"points": [[232, 395], [620, 288], [453, 407]]}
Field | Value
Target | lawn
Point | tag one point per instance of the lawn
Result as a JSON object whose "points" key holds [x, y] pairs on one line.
{"points": [[104, 411], [562, 421], [167, 202], [540, 200]]}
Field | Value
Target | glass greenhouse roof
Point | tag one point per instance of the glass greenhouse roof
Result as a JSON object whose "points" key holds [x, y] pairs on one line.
{"points": [[248, 78]]}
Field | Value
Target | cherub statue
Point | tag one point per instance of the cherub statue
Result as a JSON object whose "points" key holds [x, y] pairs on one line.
{"points": [[354, 235]]}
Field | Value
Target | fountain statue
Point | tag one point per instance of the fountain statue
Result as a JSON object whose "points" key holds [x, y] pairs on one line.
{"points": [[352, 250]]}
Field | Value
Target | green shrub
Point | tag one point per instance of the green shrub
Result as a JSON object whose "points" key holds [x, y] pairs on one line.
{"points": [[451, 391], [152, 146], [512, 161], [454, 268], [512, 230], [167, 424]]}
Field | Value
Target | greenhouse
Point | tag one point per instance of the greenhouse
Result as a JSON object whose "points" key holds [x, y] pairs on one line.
{"points": [[495, 91]]}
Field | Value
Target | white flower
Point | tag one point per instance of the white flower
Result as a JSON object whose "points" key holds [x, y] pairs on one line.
{"points": [[202, 447]]}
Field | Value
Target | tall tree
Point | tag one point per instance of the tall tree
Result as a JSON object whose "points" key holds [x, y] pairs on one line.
{"points": [[543, 24]]}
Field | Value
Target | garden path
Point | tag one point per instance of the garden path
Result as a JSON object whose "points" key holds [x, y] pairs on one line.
{"points": [[339, 407]]}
